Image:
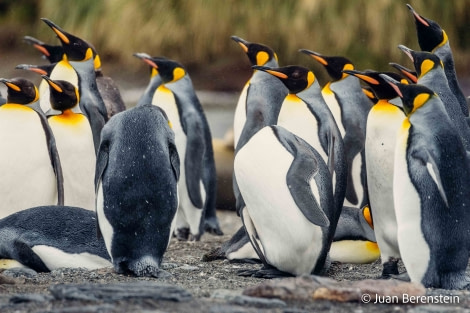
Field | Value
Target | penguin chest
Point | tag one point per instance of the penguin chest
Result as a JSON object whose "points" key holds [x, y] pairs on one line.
{"points": [[335, 108], [297, 118], [414, 250], [289, 241], [240, 114], [26, 175], [74, 140]]}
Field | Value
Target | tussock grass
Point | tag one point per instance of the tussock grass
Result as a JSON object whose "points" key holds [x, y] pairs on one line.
{"points": [[197, 32]]}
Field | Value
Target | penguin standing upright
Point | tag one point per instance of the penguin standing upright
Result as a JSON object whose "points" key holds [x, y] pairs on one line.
{"points": [[259, 55], [290, 213], [74, 141], [171, 89], [383, 124], [305, 114], [79, 55], [431, 74], [349, 106], [46, 238], [432, 38], [30, 169], [431, 192], [137, 173]]}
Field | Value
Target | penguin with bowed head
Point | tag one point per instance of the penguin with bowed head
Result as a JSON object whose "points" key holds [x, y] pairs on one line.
{"points": [[28, 150], [46, 238], [290, 213], [171, 89], [431, 192], [136, 181]]}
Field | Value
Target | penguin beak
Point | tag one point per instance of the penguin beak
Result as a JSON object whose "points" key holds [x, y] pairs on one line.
{"points": [[10, 85], [59, 32], [362, 76], [316, 56], [39, 45], [417, 17], [407, 51], [406, 72], [32, 68], [242, 42], [270, 71], [51, 83], [392, 83], [146, 58]]}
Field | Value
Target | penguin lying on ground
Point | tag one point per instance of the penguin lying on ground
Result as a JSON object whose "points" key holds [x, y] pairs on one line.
{"points": [[137, 173], [431, 192], [171, 89], [290, 214], [29, 155], [49, 237]]}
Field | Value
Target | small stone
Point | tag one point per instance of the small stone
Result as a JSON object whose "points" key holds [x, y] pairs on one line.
{"points": [[29, 297], [187, 267], [20, 272], [258, 302]]}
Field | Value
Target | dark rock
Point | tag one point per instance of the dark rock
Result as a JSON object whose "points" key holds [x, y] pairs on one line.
{"points": [[231, 309], [20, 272], [253, 301], [103, 308], [29, 297], [121, 291]]}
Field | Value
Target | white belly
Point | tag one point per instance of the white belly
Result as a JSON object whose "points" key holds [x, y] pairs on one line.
{"points": [[335, 109], [289, 241], [383, 125], [27, 178], [414, 250], [74, 142], [240, 115], [55, 258]]}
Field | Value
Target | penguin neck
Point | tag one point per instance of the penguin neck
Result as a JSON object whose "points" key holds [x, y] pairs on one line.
{"points": [[146, 98], [183, 90]]}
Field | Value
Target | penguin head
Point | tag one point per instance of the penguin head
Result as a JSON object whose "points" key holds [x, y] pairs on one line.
{"points": [[423, 61], [20, 91], [258, 54], [169, 70], [39, 69], [63, 95], [413, 96], [295, 78], [75, 48], [335, 65], [412, 76], [379, 86], [430, 34], [52, 53]]}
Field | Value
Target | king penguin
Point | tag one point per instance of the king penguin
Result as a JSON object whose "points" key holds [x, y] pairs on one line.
{"points": [[305, 113], [31, 173], [46, 238], [79, 55], [53, 53], [431, 193], [173, 91], [350, 107], [383, 124], [432, 38], [136, 181], [430, 71], [290, 214], [74, 141]]}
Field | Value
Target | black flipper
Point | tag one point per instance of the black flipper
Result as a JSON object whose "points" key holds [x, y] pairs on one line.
{"points": [[101, 164]]}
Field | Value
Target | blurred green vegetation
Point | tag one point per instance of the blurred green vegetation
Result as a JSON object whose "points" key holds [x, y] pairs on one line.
{"points": [[197, 32]]}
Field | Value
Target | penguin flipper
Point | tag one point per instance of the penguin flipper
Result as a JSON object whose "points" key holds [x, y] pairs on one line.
{"points": [[426, 158], [101, 164], [331, 153], [97, 121], [299, 175], [193, 160]]}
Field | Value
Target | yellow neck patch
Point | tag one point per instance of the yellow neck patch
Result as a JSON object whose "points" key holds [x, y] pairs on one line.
{"points": [[326, 89], [154, 72], [88, 54], [426, 66], [293, 98], [261, 58], [444, 39], [348, 66], [310, 79], [162, 88], [14, 106], [97, 62], [69, 117]]}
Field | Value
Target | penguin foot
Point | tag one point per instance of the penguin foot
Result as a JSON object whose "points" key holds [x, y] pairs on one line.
{"points": [[211, 226], [193, 238], [390, 268], [267, 272], [182, 234], [215, 254]]}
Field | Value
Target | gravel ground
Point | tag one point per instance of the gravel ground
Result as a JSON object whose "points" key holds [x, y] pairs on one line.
{"points": [[212, 287]]}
